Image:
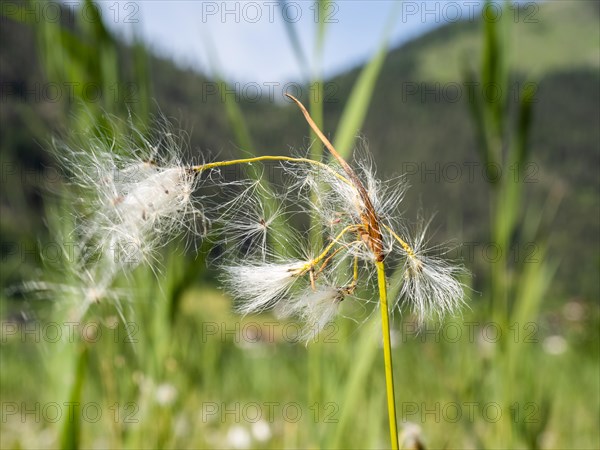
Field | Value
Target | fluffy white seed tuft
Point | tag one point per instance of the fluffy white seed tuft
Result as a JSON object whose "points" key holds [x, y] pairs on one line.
{"points": [[130, 203], [315, 309], [143, 214], [430, 284], [431, 287], [259, 286]]}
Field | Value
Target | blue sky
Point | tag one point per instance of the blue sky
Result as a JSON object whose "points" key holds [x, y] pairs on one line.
{"points": [[250, 39]]}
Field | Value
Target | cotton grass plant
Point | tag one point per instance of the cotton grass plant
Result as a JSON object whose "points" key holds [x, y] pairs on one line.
{"points": [[132, 201]]}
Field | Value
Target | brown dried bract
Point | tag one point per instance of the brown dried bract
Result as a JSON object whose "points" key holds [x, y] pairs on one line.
{"points": [[372, 229]]}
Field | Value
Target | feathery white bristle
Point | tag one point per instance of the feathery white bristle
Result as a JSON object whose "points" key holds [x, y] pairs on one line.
{"points": [[259, 286], [146, 212], [430, 283], [247, 223], [131, 205], [431, 287], [314, 308]]}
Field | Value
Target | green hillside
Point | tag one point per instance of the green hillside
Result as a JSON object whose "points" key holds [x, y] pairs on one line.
{"points": [[550, 37]]}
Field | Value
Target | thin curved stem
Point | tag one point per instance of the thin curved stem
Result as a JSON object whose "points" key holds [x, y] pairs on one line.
{"points": [[387, 354], [407, 248], [231, 162], [334, 241]]}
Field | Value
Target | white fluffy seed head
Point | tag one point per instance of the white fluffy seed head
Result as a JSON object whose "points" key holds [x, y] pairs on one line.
{"points": [[75, 284], [133, 199], [314, 308], [160, 193], [246, 224], [431, 285], [143, 214], [339, 204], [385, 196], [138, 197], [259, 286]]}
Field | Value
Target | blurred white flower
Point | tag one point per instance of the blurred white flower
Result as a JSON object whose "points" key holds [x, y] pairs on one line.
{"points": [[411, 436], [261, 431], [165, 394], [485, 346], [238, 437], [181, 427], [574, 311], [555, 345]]}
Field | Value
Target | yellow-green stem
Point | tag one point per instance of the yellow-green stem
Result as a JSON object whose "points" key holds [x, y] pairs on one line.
{"points": [[231, 162], [407, 248], [327, 249], [387, 354]]}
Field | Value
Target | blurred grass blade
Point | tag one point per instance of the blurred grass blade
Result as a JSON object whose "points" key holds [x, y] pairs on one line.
{"points": [[294, 39], [524, 123], [71, 432], [368, 348], [491, 61], [357, 106], [232, 109], [141, 77], [533, 287], [323, 6], [237, 121], [476, 108]]}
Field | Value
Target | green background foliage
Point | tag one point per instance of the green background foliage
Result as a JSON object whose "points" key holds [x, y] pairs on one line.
{"points": [[180, 333]]}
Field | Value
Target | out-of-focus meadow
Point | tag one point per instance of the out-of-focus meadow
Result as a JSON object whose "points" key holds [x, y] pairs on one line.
{"points": [[494, 123]]}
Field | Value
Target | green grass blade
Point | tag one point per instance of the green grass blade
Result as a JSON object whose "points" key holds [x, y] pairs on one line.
{"points": [[294, 39], [232, 109], [237, 122], [357, 106], [322, 21], [524, 124], [368, 349], [71, 432]]}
